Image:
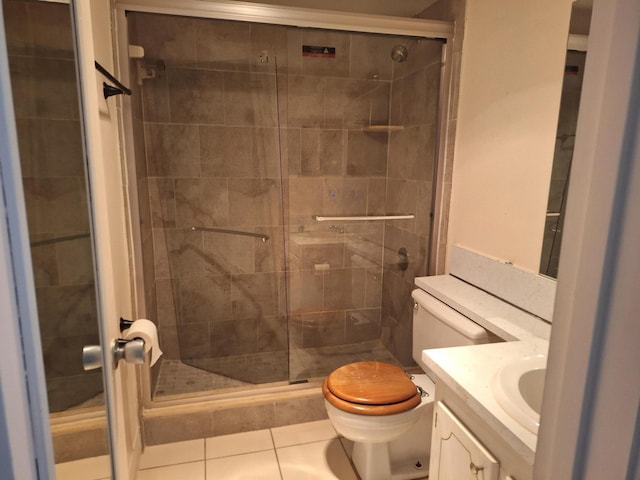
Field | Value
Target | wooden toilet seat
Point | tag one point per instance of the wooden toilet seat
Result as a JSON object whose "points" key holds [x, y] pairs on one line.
{"points": [[370, 388]]}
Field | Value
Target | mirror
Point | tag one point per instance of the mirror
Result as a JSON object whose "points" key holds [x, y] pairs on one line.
{"points": [[45, 96], [565, 137]]}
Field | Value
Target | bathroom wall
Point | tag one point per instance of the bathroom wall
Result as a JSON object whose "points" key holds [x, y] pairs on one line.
{"points": [[213, 159], [509, 101], [42, 67]]}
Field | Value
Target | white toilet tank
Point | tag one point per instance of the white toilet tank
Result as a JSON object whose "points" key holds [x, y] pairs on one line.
{"points": [[436, 325]]}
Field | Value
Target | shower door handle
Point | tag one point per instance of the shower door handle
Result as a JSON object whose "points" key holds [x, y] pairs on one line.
{"points": [[91, 357]]}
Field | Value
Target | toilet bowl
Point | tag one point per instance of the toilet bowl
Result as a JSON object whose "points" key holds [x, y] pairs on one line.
{"points": [[382, 411], [375, 404]]}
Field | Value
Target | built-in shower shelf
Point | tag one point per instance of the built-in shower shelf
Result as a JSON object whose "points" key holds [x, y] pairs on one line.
{"points": [[382, 128]]}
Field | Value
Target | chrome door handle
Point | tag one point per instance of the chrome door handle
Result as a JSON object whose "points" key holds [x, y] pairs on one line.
{"points": [[91, 357], [131, 351]]}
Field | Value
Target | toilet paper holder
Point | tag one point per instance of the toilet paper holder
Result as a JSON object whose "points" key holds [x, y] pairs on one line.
{"points": [[125, 324]]}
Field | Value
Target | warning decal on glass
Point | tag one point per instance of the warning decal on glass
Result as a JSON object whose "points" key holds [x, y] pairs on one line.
{"points": [[315, 51]]}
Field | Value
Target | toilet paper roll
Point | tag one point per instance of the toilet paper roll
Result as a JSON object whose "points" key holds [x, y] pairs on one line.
{"points": [[147, 331]]}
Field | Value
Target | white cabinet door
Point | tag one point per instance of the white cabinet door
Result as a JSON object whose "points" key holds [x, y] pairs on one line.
{"points": [[455, 453]]}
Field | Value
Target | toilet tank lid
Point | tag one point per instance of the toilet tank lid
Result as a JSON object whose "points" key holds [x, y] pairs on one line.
{"points": [[448, 315]]}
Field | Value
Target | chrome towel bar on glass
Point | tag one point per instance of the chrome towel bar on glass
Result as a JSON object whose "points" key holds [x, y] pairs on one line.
{"points": [[261, 236], [319, 218]]}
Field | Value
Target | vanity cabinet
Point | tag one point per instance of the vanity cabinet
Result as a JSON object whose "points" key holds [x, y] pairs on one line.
{"points": [[456, 454]]}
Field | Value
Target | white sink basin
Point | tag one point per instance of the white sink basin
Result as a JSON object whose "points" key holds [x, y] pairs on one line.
{"points": [[518, 389]]}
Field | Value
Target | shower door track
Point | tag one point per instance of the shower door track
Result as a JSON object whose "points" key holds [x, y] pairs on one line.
{"points": [[291, 16]]}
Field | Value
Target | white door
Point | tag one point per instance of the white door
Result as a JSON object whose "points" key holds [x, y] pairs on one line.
{"points": [[455, 453], [93, 41]]}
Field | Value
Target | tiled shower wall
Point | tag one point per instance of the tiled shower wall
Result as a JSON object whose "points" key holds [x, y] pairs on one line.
{"points": [[410, 180], [43, 78], [233, 141]]}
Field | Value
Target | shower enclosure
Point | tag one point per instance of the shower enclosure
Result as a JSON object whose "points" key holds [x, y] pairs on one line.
{"points": [[244, 135]]}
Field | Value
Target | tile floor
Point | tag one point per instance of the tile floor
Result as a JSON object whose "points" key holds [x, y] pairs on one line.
{"points": [[310, 451]]}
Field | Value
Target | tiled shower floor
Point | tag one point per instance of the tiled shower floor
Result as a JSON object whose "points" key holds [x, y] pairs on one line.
{"points": [[177, 377]]}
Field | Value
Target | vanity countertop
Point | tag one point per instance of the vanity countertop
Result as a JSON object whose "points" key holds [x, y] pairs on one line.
{"points": [[468, 371]]}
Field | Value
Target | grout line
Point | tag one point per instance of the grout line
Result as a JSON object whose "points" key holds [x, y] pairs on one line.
{"points": [[205, 458], [275, 451], [169, 465]]}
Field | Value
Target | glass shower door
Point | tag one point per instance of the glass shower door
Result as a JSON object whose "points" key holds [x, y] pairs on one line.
{"points": [[360, 129], [215, 192]]}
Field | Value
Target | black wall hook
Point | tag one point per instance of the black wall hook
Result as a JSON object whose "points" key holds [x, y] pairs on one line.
{"points": [[109, 90]]}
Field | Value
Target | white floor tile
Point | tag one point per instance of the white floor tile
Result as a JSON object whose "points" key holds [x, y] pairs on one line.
{"points": [[323, 460], [183, 471], [94, 468], [303, 433], [238, 443], [253, 466], [172, 453]]}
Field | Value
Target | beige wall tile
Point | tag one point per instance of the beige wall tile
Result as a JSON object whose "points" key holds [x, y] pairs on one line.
{"points": [[305, 196], [250, 99], [172, 150], [80, 444], [33, 80], [75, 262], [202, 202], [178, 253], [291, 412], [322, 152], [272, 334], [371, 55], [243, 419], [56, 205], [175, 428], [256, 295], [223, 45], [236, 337], [162, 202], [196, 96], [254, 202], [50, 148], [367, 154], [168, 38], [305, 106], [343, 289], [205, 299], [362, 325]]}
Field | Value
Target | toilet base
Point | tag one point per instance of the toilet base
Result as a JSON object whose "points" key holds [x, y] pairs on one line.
{"points": [[372, 462]]}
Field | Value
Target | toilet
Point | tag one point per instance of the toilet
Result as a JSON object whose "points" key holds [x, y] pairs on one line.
{"points": [[387, 413]]}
